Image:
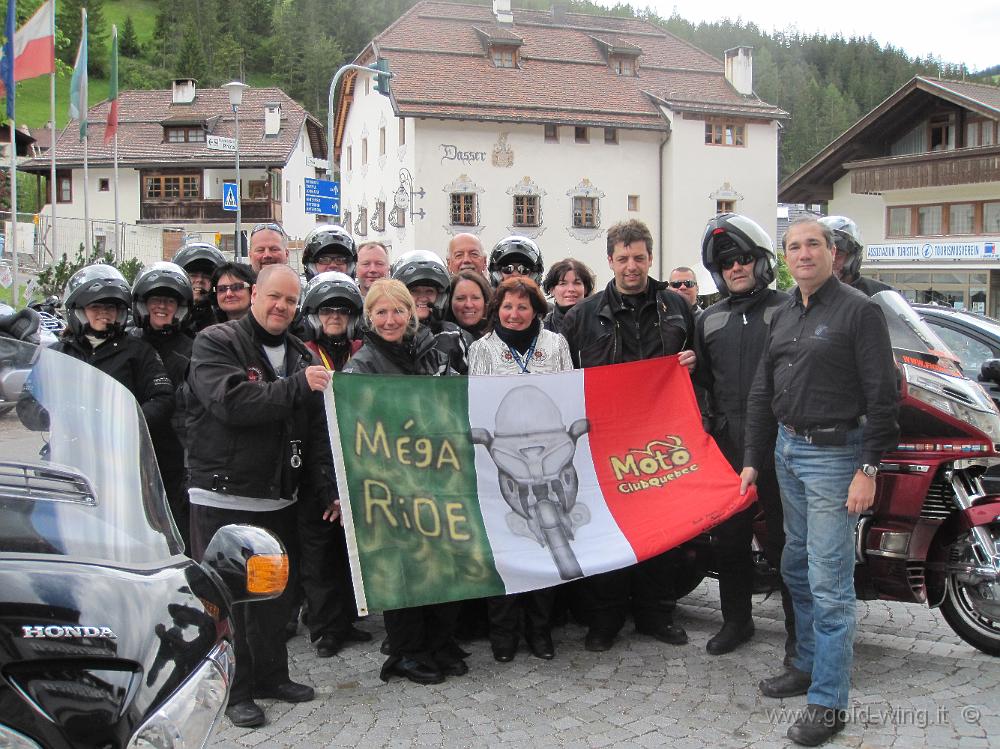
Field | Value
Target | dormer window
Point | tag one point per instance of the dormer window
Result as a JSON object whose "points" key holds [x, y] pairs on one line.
{"points": [[504, 56], [622, 64], [184, 134]]}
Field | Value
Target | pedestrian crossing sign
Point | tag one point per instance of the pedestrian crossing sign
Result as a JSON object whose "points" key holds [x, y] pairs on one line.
{"points": [[230, 196]]}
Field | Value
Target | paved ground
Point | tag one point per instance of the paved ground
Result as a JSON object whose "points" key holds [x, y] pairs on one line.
{"points": [[916, 684]]}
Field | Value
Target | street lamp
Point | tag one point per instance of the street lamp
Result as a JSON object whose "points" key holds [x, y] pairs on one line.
{"points": [[235, 90]]}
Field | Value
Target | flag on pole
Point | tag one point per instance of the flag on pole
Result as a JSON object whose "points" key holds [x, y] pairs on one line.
{"points": [[78, 85], [7, 62], [112, 126], [35, 44], [456, 487]]}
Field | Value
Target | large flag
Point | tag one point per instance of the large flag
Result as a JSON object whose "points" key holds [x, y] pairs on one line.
{"points": [[7, 63], [112, 125], [35, 44], [464, 487], [78, 85]]}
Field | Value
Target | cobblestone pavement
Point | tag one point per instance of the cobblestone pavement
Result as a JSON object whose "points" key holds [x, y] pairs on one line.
{"points": [[916, 684]]}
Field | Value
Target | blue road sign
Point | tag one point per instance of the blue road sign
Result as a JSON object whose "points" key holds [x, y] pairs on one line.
{"points": [[230, 196], [322, 196]]}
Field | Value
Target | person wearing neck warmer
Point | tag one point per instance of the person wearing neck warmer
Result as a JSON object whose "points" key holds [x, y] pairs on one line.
{"points": [[161, 302], [567, 282], [730, 340], [518, 344], [420, 641], [97, 299], [258, 445]]}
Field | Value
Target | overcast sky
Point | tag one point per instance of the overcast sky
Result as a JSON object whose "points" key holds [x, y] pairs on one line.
{"points": [[964, 32]]}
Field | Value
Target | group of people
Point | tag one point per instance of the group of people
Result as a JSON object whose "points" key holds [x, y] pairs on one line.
{"points": [[229, 362]]}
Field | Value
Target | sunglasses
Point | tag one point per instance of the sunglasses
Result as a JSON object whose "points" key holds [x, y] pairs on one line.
{"points": [[268, 227], [685, 284], [509, 270], [744, 259], [236, 288], [346, 311]]}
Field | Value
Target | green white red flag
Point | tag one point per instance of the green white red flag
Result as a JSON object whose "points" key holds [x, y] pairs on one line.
{"points": [[112, 124], [464, 487]]}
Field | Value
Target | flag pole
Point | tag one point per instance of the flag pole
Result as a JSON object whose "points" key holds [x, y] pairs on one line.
{"points": [[53, 186], [13, 210], [85, 131], [118, 253]]}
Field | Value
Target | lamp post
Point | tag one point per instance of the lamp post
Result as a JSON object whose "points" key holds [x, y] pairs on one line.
{"points": [[235, 90]]}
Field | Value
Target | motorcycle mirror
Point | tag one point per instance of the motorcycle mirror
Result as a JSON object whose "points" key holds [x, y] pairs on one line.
{"points": [[249, 562], [990, 371]]}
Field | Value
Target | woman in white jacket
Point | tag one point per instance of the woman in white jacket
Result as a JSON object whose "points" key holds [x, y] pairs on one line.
{"points": [[518, 344]]}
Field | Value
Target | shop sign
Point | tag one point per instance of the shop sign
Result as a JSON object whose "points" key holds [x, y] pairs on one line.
{"points": [[980, 250]]}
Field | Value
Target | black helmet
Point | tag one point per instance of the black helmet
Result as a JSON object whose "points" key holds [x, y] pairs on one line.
{"points": [[731, 234], [328, 239], [199, 257], [847, 238], [95, 283], [332, 289], [164, 279], [509, 248], [423, 268]]}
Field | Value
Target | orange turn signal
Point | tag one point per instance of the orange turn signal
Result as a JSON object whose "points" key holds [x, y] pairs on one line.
{"points": [[267, 573]]}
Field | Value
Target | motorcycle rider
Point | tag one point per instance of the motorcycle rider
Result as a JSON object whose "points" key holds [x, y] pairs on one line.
{"points": [[200, 260], [516, 256], [161, 300], [427, 278], [729, 343], [850, 251], [329, 248]]}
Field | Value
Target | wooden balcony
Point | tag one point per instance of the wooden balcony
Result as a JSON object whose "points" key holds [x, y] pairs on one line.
{"points": [[202, 211], [962, 166]]}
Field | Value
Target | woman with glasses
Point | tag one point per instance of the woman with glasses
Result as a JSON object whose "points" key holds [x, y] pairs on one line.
{"points": [[420, 640], [567, 282], [231, 286]]}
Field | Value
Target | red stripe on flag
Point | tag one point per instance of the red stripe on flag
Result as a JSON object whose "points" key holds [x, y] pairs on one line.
{"points": [[37, 59], [663, 479], [112, 125]]}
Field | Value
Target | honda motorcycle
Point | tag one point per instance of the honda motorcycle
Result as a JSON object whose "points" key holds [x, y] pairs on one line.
{"points": [[109, 635], [932, 535]]}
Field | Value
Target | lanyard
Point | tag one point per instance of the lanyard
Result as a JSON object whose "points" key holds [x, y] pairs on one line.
{"points": [[523, 363], [326, 359]]}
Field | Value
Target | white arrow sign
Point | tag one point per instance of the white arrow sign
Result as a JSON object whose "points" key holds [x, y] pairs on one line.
{"points": [[218, 143]]}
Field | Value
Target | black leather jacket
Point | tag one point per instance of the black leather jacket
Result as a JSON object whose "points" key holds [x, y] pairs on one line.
{"points": [[250, 432], [420, 354], [593, 327]]}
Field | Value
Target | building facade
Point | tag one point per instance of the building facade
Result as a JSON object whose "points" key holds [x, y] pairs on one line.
{"points": [[554, 126], [920, 174]]}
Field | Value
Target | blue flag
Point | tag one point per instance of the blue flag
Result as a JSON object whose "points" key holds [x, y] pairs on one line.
{"points": [[7, 62]]}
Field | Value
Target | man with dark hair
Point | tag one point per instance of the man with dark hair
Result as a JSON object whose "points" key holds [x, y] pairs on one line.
{"points": [[257, 444], [634, 318], [826, 388], [684, 281]]}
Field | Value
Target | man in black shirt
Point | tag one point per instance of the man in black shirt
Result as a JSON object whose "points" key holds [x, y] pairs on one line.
{"points": [[634, 318], [826, 385]]}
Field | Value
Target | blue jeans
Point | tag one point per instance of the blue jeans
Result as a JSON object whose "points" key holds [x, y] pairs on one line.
{"points": [[818, 560]]}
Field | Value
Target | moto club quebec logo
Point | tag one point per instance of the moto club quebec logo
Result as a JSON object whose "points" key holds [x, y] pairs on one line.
{"points": [[657, 464]]}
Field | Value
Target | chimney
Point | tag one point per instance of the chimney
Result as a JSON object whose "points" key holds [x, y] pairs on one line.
{"points": [[272, 119], [739, 69], [558, 11], [184, 90], [501, 9]]}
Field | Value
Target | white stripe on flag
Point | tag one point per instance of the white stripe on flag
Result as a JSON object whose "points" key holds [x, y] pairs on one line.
{"points": [[522, 562]]}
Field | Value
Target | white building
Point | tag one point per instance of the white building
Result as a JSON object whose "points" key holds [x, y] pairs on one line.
{"points": [[169, 177], [920, 175], [551, 125]]}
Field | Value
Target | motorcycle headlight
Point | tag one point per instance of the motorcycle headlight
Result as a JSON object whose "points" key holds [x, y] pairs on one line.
{"points": [[189, 716], [964, 399]]}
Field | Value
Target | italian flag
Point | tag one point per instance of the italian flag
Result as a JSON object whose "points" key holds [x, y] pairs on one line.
{"points": [[464, 487], [112, 124]]}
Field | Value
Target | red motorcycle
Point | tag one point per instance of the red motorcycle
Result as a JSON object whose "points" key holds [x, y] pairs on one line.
{"points": [[933, 534]]}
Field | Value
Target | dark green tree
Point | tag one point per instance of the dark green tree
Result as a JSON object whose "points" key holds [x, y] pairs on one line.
{"points": [[128, 40], [70, 21], [190, 57]]}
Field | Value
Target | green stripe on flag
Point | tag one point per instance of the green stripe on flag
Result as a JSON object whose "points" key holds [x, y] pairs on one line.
{"points": [[411, 481]]}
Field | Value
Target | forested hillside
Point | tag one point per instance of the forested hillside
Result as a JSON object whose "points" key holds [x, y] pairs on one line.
{"points": [[824, 83]]}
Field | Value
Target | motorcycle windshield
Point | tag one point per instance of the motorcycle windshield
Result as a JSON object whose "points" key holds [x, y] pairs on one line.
{"points": [[78, 477], [909, 333]]}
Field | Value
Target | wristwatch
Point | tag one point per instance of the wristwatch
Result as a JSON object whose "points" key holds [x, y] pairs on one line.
{"points": [[869, 470]]}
